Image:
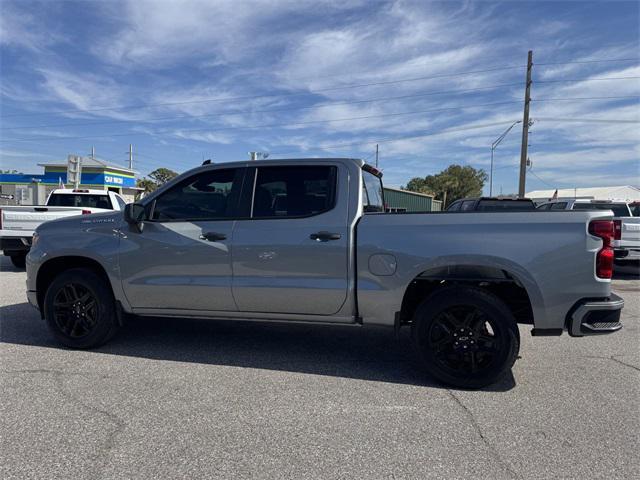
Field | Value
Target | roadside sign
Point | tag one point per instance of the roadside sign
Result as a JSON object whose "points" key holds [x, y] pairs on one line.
{"points": [[74, 170], [5, 196]]}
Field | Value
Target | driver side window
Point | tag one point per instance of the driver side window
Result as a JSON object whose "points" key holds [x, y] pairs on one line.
{"points": [[208, 195]]}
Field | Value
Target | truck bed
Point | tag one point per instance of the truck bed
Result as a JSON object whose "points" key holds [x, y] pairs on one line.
{"points": [[532, 248]]}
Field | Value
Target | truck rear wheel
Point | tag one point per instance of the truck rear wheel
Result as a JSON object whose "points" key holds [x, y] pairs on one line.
{"points": [[466, 337], [79, 309], [19, 260]]}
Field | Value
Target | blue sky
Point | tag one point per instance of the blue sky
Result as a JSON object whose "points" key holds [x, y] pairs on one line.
{"points": [[182, 81]]}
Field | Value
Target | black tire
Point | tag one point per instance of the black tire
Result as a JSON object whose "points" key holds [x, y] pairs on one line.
{"points": [[80, 309], [466, 337], [19, 260]]}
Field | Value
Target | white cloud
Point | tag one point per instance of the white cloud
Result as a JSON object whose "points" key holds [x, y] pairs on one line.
{"points": [[21, 28]]}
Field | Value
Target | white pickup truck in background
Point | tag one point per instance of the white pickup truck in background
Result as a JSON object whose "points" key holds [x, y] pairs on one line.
{"points": [[626, 242], [17, 223]]}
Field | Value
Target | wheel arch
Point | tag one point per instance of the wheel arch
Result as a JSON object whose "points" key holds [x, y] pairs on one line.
{"points": [[512, 285], [54, 266]]}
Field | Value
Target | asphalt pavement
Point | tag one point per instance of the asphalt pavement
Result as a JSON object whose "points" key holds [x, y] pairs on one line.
{"points": [[176, 398]]}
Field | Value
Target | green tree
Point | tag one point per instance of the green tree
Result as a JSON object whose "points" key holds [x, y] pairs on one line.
{"points": [[455, 182], [147, 184], [157, 178], [162, 175]]}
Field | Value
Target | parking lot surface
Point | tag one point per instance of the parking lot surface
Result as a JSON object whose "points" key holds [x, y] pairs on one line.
{"points": [[171, 398]]}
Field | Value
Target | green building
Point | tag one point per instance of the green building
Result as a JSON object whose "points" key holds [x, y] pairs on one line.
{"points": [[398, 200]]}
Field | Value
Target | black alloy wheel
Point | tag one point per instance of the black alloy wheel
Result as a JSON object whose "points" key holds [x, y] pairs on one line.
{"points": [[80, 309], [75, 310], [466, 337], [463, 339]]}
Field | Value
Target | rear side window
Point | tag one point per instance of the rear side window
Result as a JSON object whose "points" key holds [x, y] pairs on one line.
{"points": [[504, 205], [635, 209], [467, 205], [544, 206], [454, 207], [205, 196], [295, 191], [619, 209], [79, 200], [372, 195], [558, 206]]}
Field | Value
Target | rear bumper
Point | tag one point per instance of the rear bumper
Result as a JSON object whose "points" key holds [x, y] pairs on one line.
{"points": [[596, 317], [626, 254]]}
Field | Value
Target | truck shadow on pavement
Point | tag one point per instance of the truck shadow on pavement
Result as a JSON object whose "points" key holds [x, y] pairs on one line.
{"points": [[372, 354]]}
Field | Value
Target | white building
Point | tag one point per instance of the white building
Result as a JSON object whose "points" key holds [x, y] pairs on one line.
{"points": [[623, 192]]}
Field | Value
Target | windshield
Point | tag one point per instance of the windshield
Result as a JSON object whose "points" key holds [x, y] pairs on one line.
{"points": [[619, 209], [79, 200]]}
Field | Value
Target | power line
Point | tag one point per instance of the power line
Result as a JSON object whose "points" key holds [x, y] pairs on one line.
{"points": [[208, 129], [388, 140], [586, 120], [609, 60], [252, 97], [565, 99], [585, 79], [247, 112], [543, 181]]}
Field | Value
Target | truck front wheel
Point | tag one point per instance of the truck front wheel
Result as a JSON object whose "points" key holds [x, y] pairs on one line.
{"points": [[466, 336], [79, 309]]}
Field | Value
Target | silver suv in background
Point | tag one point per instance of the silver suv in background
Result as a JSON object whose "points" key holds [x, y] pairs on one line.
{"points": [[626, 241]]}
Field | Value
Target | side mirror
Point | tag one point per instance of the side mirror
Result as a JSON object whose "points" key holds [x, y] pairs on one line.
{"points": [[135, 215]]}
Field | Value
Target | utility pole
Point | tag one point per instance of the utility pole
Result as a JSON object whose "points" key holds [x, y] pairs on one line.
{"points": [[93, 153], [525, 128], [376, 155], [130, 157]]}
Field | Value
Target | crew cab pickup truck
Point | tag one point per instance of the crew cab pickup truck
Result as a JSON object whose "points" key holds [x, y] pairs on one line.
{"points": [[309, 241], [626, 220], [17, 223]]}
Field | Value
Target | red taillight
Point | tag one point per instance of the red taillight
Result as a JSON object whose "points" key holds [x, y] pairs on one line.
{"points": [[86, 212], [617, 225], [605, 230]]}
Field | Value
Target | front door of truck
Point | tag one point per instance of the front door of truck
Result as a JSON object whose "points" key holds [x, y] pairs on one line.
{"points": [[182, 258], [292, 254]]}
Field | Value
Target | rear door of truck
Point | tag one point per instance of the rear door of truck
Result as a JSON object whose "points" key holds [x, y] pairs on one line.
{"points": [[291, 255]]}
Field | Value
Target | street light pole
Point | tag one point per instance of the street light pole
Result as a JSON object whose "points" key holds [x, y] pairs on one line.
{"points": [[494, 145]]}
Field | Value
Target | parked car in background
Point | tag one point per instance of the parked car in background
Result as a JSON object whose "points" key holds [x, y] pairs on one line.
{"points": [[309, 241], [491, 204], [17, 223], [626, 221]]}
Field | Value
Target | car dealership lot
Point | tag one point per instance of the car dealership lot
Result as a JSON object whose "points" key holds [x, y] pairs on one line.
{"points": [[176, 398]]}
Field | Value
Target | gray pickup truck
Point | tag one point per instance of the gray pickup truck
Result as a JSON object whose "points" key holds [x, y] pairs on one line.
{"points": [[310, 241]]}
